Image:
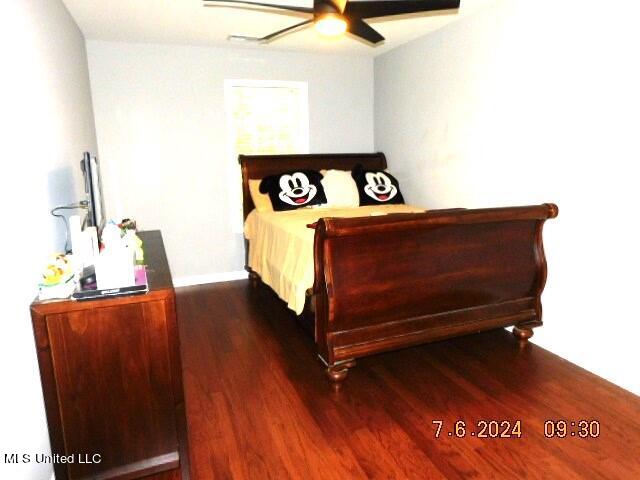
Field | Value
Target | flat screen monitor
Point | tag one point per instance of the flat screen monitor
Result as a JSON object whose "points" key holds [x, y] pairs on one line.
{"points": [[96, 216]]}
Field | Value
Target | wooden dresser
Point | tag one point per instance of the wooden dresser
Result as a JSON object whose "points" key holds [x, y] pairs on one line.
{"points": [[112, 380]]}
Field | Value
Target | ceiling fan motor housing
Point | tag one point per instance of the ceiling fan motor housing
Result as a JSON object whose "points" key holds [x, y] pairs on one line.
{"points": [[320, 9]]}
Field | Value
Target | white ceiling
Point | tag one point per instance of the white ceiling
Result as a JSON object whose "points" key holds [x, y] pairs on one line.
{"points": [[187, 22]]}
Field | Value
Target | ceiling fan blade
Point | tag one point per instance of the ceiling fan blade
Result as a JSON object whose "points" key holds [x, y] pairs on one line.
{"points": [[383, 8], [267, 38], [361, 29], [292, 8], [271, 36]]}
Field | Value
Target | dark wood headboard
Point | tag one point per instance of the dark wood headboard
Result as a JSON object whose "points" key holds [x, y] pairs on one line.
{"points": [[260, 166]]}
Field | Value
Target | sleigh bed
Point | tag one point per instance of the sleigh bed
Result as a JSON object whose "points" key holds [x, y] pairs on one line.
{"points": [[391, 281]]}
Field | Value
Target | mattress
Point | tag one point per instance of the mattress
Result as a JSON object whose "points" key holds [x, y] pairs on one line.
{"points": [[281, 246]]}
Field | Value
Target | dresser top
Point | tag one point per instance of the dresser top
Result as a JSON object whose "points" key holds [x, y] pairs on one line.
{"points": [[158, 276], [155, 257]]}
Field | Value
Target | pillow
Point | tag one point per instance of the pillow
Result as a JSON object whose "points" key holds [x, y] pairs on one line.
{"points": [[261, 201], [340, 189], [376, 187], [295, 189]]}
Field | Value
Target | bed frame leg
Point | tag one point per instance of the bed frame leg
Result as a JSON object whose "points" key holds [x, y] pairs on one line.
{"points": [[523, 333], [338, 372]]}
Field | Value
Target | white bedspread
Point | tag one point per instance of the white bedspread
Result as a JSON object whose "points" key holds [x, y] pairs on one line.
{"points": [[281, 246]]}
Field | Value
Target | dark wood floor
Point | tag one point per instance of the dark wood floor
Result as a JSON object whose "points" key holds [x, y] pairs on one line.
{"points": [[259, 407]]}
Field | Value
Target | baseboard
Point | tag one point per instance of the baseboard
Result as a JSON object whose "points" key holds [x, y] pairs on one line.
{"points": [[209, 278]]}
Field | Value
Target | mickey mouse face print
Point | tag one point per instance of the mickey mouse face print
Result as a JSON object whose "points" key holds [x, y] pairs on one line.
{"points": [[379, 186], [376, 187], [296, 189]]}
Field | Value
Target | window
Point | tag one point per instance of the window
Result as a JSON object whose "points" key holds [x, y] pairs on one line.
{"points": [[263, 117]]}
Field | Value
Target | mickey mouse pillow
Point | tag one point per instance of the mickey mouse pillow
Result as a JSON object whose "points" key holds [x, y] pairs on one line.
{"points": [[376, 187], [296, 189]]}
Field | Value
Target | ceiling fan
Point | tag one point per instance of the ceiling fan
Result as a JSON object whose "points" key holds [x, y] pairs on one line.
{"points": [[334, 17]]}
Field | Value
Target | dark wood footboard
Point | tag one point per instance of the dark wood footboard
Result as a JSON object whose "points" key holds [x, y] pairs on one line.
{"points": [[383, 283]]}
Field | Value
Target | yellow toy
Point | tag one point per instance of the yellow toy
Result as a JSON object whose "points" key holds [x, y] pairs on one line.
{"points": [[57, 271]]}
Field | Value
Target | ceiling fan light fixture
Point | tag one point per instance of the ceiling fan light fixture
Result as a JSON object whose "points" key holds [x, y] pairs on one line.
{"points": [[331, 25]]}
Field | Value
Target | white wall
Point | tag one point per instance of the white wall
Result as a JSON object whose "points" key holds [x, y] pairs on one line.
{"points": [[46, 121], [532, 102], [161, 129]]}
